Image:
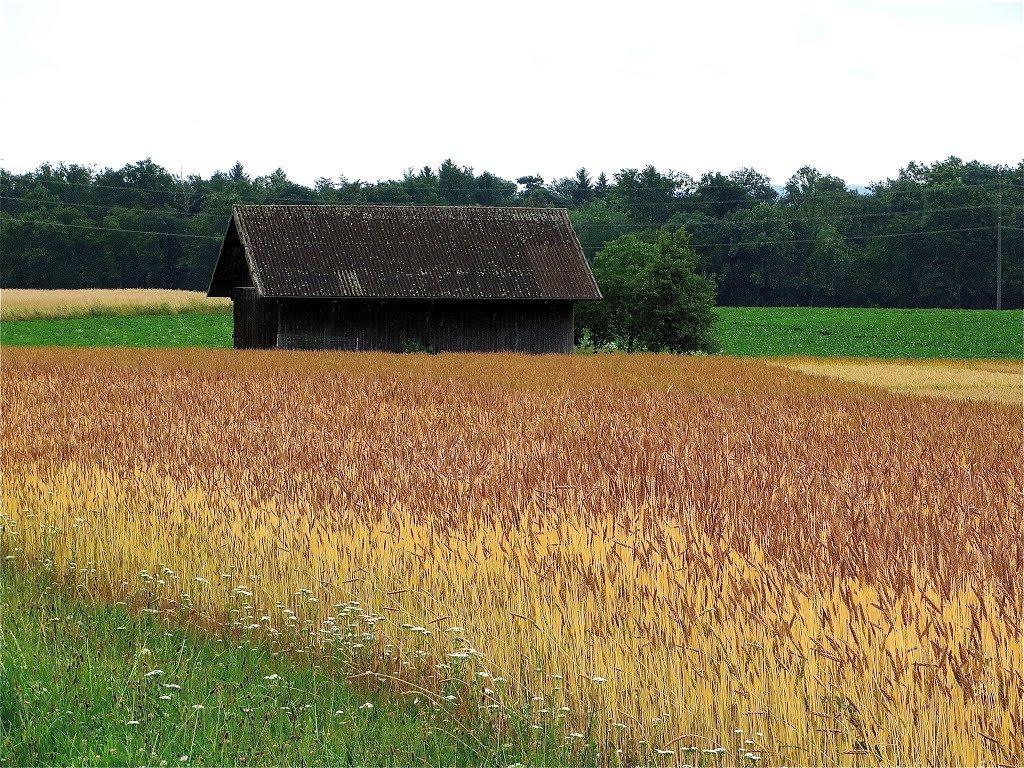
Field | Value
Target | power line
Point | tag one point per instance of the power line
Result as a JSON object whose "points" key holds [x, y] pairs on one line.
{"points": [[696, 245], [108, 229], [414, 205], [108, 207], [172, 212], [851, 237]]}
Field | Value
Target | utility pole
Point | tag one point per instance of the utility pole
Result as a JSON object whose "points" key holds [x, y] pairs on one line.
{"points": [[999, 250]]}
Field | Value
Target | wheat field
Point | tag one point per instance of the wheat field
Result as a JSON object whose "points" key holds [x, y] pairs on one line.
{"points": [[678, 560], [33, 304], [1000, 381]]}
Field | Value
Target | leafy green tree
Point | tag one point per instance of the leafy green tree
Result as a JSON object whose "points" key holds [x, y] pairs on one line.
{"points": [[392, 193], [718, 196], [237, 173], [816, 204], [596, 224], [757, 258], [138, 253], [494, 190], [143, 184], [649, 197], [201, 250], [924, 238], [937, 235], [756, 184], [583, 188], [455, 185], [278, 188], [814, 197], [819, 279], [536, 195], [617, 269], [676, 303], [652, 297], [531, 182]]}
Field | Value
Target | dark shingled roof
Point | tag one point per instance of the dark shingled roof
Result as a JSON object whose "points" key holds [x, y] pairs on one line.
{"points": [[342, 251]]}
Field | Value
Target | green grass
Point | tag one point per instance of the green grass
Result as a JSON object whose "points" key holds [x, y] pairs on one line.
{"points": [[185, 330], [757, 331], [84, 683], [881, 333]]}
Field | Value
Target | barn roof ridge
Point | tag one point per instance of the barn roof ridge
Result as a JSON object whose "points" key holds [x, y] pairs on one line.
{"points": [[404, 251], [403, 206]]}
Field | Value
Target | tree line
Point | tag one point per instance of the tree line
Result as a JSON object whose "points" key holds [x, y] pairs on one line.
{"points": [[926, 238]]}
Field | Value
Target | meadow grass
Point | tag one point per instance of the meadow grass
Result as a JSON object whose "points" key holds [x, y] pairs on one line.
{"points": [[747, 331], [88, 683], [188, 330], [877, 333]]}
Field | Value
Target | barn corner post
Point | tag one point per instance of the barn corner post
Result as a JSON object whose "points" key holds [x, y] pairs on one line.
{"points": [[394, 278]]}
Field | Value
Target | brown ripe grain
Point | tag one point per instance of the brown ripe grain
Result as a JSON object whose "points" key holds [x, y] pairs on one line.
{"points": [[32, 304], [685, 547]]}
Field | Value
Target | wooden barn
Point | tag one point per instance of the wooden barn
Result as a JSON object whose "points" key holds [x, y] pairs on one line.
{"points": [[396, 278]]}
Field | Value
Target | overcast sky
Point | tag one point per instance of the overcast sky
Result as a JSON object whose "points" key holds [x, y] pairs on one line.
{"points": [[856, 88]]}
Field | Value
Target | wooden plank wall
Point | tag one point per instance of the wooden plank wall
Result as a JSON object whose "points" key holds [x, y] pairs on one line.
{"points": [[255, 320], [535, 326]]}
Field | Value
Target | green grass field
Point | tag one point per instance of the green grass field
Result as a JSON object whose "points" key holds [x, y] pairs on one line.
{"points": [[882, 333], [756, 331], [186, 330], [83, 683]]}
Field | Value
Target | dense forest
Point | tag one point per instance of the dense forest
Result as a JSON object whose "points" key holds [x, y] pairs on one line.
{"points": [[926, 238]]}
